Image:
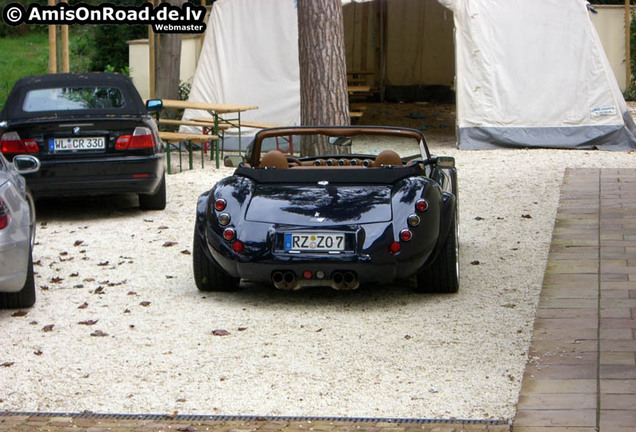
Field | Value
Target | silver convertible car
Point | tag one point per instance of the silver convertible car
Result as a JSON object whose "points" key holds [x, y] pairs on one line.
{"points": [[17, 233]]}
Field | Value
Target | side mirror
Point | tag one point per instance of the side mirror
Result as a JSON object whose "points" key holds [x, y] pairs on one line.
{"points": [[25, 164], [445, 161], [154, 105]]}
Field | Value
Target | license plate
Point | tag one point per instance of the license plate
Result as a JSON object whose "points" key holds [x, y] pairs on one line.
{"points": [[320, 242], [77, 143]]}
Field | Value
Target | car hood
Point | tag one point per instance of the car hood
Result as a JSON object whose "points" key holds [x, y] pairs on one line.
{"points": [[320, 205]]}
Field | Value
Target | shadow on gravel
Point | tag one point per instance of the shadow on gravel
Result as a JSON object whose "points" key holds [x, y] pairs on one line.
{"points": [[397, 295], [88, 208]]}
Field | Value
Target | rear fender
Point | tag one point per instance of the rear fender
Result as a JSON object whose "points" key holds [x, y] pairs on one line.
{"points": [[447, 215]]}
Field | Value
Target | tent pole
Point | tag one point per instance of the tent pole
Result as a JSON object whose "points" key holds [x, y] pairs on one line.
{"points": [[628, 56]]}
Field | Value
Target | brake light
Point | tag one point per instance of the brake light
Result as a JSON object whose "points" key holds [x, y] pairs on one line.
{"points": [[4, 215], [140, 139], [13, 144]]}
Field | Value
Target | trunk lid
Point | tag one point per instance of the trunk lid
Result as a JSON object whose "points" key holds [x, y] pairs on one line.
{"points": [[320, 205]]}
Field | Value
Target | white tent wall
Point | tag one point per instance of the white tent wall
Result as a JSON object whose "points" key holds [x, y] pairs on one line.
{"points": [[250, 57], [534, 74]]}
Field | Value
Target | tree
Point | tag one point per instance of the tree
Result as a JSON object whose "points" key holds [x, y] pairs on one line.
{"points": [[168, 61], [323, 71]]}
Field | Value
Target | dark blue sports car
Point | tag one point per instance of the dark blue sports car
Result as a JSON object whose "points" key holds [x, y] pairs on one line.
{"points": [[355, 212]]}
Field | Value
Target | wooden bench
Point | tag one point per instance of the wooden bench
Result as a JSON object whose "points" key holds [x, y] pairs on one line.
{"points": [[188, 139]]}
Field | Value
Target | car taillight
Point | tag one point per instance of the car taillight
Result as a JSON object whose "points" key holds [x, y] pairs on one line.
{"points": [[140, 139], [220, 204], [4, 215], [406, 235], [11, 143], [421, 205]]}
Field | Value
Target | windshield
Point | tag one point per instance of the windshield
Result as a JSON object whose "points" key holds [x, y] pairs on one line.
{"points": [[72, 99], [323, 146]]}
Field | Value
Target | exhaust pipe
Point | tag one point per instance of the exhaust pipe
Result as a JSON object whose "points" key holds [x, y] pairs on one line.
{"points": [[351, 282], [284, 280], [338, 280]]}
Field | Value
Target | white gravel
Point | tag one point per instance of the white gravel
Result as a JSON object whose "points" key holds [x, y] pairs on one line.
{"points": [[379, 351]]}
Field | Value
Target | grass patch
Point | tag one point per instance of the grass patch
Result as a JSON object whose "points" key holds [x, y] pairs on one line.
{"points": [[21, 56]]}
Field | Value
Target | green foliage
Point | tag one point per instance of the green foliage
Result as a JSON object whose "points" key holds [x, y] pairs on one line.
{"points": [[184, 89], [630, 92], [109, 47], [20, 57]]}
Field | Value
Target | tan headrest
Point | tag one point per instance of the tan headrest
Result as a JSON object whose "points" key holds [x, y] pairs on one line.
{"points": [[274, 159], [388, 157]]}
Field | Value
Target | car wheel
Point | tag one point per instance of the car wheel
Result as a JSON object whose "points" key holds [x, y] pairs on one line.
{"points": [[442, 275], [26, 296], [207, 275], [156, 201]]}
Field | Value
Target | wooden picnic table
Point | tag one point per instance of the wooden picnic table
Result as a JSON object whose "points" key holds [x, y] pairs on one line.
{"points": [[215, 110], [188, 138]]}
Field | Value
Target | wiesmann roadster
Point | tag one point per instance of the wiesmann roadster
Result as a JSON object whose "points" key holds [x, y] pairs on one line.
{"points": [[355, 213]]}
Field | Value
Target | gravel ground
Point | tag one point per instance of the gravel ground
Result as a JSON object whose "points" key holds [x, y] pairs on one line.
{"points": [[119, 326]]}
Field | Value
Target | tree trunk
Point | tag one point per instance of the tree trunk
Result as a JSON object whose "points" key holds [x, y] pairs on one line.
{"points": [[168, 62], [323, 71]]}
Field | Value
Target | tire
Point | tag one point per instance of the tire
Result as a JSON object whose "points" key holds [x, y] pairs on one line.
{"points": [[207, 275], [442, 275], [25, 297], [157, 201]]}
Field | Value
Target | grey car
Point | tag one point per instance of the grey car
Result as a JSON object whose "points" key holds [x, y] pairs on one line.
{"points": [[17, 233]]}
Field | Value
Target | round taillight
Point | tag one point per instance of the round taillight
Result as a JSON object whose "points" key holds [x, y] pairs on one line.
{"points": [[307, 274], [220, 204], [229, 233], [224, 219], [414, 220], [406, 235], [421, 205], [394, 247], [238, 247]]}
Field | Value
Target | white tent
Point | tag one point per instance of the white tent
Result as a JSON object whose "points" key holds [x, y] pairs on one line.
{"points": [[528, 73], [250, 57], [534, 74]]}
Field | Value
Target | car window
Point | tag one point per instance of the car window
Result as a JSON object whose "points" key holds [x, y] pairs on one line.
{"points": [[73, 98]]}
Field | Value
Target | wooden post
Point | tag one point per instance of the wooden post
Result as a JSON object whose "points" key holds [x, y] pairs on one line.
{"points": [[52, 44], [64, 41], [628, 54]]}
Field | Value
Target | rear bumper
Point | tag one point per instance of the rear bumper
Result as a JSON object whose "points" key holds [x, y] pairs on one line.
{"points": [[98, 176], [14, 260]]}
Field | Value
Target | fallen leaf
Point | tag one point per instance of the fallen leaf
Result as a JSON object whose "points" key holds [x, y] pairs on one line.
{"points": [[38, 353], [132, 293], [220, 332], [148, 220], [162, 227], [526, 216], [37, 263], [78, 286], [19, 313], [145, 303], [319, 330], [99, 290], [408, 337], [475, 262], [188, 428], [479, 218], [242, 328], [63, 253], [7, 364], [56, 279], [186, 252], [74, 274], [83, 305], [44, 287], [48, 328], [99, 333], [89, 280], [103, 263], [169, 244], [88, 322], [78, 243]]}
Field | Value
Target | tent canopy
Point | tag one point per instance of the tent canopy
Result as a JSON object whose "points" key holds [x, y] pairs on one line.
{"points": [[534, 74], [528, 74]]}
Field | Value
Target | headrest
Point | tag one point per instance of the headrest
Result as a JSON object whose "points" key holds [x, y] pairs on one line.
{"points": [[388, 157], [274, 159]]}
